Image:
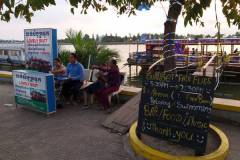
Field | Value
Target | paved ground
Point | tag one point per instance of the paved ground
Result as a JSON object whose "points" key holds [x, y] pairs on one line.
{"points": [[231, 130], [71, 134], [233, 133]]}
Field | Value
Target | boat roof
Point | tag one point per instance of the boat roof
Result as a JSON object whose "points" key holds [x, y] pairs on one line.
{"points": [[201, 41], [11, 47]]}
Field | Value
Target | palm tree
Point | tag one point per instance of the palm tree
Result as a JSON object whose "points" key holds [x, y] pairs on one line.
{"points": [[86, 47], [104, 54]]}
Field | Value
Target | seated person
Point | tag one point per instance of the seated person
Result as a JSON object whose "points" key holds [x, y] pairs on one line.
{"points": [[59, 70], [109, 81], [75, 75]]}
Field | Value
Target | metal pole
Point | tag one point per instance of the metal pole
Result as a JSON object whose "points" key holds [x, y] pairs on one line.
{"points": [[214, 67], [136, 70], [130, 71], [89, 60]]}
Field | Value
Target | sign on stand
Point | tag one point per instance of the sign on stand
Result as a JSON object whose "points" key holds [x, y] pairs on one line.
{"points": [[34, 90], [40, 48], [177, 107]]}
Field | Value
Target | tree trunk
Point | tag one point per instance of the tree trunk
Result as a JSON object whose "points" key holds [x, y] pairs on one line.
{"points": [[174, 11]]}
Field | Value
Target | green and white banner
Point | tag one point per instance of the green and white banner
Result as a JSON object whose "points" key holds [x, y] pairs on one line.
{"points": [[34, 89]]}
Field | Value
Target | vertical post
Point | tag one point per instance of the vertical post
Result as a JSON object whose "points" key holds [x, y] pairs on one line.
{"points": [[203, 49], [187, 62], [232, 49], [207, 49], [136, 70], [214, 66], [204, 71], [130, 71], [89, 60]]}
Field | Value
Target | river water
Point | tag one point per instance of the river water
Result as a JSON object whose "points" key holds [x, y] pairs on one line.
{"points": [[123, 51]]}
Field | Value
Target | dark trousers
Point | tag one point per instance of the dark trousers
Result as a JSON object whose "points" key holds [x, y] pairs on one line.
{"points": [[103, 94], [71, 87]]}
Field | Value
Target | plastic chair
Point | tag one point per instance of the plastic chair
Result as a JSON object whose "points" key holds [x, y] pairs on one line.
{"points": [[94, 75], [87, 74], [87, 78]]}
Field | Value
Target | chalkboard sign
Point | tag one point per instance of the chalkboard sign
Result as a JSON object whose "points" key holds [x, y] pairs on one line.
{"points": [[177, 107]]}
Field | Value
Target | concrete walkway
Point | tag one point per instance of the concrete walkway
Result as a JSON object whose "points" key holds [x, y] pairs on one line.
{"points": [[71, 134]]}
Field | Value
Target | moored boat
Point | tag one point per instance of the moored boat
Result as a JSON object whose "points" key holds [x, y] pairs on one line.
{"points": [[12, 55]]}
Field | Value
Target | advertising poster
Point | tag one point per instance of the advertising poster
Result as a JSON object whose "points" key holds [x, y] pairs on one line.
{"points": [[40, 48], [34, 89]]}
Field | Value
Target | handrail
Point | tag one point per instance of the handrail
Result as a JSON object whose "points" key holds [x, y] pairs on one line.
{"points": [[160, 60], [177, 55], [163, 59], [193, 56], [208, 63]]}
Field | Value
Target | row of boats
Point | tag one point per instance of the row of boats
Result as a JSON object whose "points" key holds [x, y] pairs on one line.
{"points": [[14, 54]]}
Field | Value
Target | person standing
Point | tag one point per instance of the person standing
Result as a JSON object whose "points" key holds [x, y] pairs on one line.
{"points": [[193, 51], [75, 75]]}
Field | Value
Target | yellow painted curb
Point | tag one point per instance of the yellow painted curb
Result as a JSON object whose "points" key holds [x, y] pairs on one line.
{"points": [[223, 107], [5, 74], [152, 154]]}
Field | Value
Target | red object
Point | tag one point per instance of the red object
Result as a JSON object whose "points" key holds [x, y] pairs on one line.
{"points": [[103, 94]]}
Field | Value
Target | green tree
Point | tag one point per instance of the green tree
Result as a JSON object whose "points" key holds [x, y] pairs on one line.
{"points": [[192, 11], [97, 38], [237, 34], [104, 54], [86, 47], [208, 36], [64, 56]]}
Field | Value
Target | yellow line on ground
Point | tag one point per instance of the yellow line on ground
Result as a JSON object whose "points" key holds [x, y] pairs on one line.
{"points": [[151, 154]]}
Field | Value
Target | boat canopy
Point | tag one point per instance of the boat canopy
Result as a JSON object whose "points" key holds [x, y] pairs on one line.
{"points": [[201, 41]]}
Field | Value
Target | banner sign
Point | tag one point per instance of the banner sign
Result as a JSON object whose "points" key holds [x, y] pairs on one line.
{"points": [[34, 89], [40, 48], [177, 107]]}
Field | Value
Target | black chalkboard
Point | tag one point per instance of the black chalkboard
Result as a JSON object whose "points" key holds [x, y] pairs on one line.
{"points": [[177, 107]]}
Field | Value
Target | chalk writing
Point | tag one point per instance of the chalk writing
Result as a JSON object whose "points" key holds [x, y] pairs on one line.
{"points": [[177, 107]]}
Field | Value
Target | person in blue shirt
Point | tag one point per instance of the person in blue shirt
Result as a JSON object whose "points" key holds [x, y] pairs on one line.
{"points": [[75, 78]]}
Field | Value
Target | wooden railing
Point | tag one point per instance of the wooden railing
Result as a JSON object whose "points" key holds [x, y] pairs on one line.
{"points": [[185, 62], [214, 61]]}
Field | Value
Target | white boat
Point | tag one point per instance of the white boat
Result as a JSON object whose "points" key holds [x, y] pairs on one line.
{"points": [[12, 55]]}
